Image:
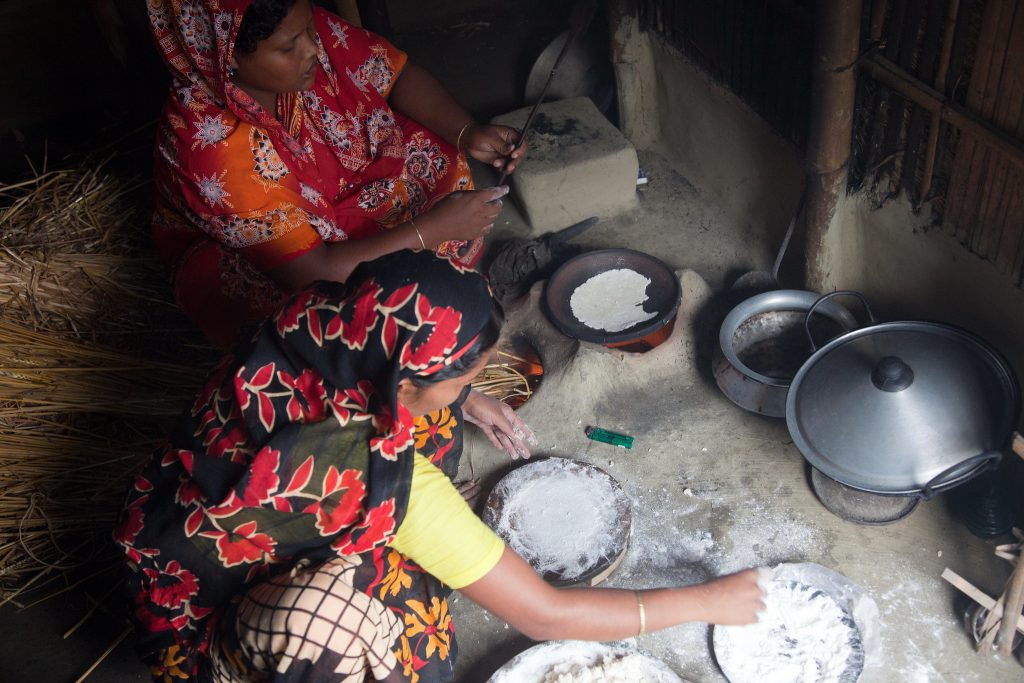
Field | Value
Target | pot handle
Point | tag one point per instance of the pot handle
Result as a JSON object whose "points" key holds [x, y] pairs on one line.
{"points": [[987, 460], [871, 320]]}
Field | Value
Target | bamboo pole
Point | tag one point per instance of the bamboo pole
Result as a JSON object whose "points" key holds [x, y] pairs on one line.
{"points": [[931, 150], [833, 89]]}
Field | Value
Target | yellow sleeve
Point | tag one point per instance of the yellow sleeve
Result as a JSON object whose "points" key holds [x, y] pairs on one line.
{"points": [[441, 533]]}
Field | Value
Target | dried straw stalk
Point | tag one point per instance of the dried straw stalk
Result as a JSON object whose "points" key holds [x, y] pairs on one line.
{"points": [[83, 210], [505, 380], [94, 362]]}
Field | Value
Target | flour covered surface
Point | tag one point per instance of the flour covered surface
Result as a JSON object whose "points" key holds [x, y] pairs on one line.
{"points": [[609, 669], [802, 636], [564, 517], [612, 301], [584, 662]]}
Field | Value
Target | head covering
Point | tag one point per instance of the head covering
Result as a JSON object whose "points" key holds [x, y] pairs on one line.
{"points": [[197, 40], [296, 449]]}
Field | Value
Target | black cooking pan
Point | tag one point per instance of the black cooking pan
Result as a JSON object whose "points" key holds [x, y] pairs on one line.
{"points": [[662, 294]]}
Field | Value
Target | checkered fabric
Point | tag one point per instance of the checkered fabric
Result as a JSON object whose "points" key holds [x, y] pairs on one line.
{"points": [[308, 626]]}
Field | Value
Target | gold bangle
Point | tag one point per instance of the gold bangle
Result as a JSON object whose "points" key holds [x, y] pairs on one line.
{"points": [[413, 224], [643, 613], [458, 140]]}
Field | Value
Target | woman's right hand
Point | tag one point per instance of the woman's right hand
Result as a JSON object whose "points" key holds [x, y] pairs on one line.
{"points": [[464, 215], [732, 600]]}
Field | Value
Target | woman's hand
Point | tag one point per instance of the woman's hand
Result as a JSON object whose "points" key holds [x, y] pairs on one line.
{"points": [[514, 592], [503, 427], [732, 600], [464, 215], [494, 145]]}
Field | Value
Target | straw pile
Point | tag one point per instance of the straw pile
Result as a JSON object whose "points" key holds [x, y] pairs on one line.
{"points": [[95, 362], [511, 379]]}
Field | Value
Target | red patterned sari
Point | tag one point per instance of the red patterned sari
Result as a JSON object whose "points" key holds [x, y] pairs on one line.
{"points": [[295, 454], [242, 191]]}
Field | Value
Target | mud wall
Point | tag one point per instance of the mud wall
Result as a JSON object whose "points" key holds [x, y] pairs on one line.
{"points": [[709, 135], [905, 268]]}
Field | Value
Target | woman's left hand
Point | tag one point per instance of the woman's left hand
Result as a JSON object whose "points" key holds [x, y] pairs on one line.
{"points": [[503, 427], [494, 145]]}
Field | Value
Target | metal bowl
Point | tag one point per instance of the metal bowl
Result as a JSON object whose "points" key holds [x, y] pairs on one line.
{"points": [[762, 345], [662, 297]]}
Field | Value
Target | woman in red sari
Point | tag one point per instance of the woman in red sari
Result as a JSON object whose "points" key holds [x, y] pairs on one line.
{"points": [[294, 146], [292, 530]]}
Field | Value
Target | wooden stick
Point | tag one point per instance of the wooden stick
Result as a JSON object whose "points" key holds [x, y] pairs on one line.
{"points": [[1014, 603], [124, 634], [95, 608], [990, 627], [975, 594], [940, 86]]}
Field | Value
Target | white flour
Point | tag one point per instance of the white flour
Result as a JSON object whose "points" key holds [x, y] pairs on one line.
{"points": [[610, 669], [576, 661], [559, 516], [803, 636], [672, 544], [612, 300]]}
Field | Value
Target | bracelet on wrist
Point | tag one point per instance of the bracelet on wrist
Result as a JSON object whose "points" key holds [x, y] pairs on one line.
{"points": [[458, 140], [643, 613], [418, 234]]}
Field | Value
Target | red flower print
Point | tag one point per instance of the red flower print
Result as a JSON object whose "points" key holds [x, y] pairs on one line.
{"points": [[289, 317], [313, 324], [399, 298], [301, 476], [263, 480], [219, 443], [309, 387], [355, 333], [243, 544], [398, 436], [212, 385], [131, 523], [267, 412], [172, 586], [188, 492], [376, 528], [245, 388], [341, 501], [444, 325], [194, 521], [360, 396]]}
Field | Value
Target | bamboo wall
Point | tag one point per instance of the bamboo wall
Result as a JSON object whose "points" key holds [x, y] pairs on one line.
{"points": [[940, 103], [760, 49], [941, 117], [985, 207]]}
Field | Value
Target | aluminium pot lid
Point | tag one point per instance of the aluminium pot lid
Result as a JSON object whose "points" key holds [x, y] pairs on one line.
{"points": [[903, 408]]}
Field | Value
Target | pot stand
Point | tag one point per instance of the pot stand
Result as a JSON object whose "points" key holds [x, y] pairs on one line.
{"points": [[860, 507]]}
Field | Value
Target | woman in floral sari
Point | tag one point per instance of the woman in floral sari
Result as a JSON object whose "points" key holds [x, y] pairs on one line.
{"points": [[294, 146], [290, 532]]}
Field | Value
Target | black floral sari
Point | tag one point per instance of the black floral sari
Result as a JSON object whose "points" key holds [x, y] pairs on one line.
{"points": [[297, 452]]}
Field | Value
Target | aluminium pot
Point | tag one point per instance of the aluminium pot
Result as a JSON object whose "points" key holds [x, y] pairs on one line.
{"points": [[762, 345], [907, 408]]}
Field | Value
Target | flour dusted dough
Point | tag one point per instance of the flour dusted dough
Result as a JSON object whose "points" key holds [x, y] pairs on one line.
{"points": [[612, 301], [609, 669], [802, 636]]}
